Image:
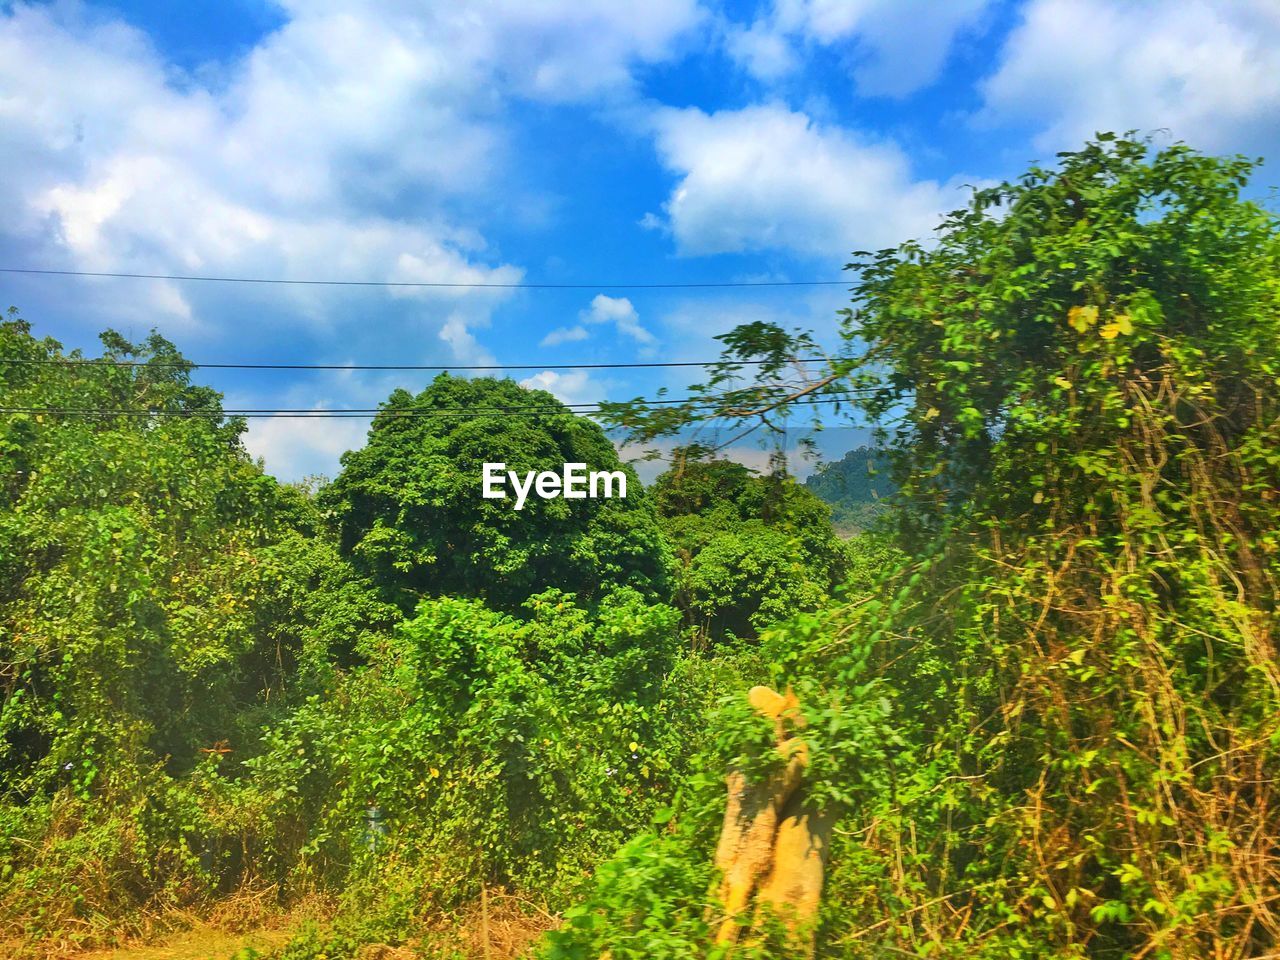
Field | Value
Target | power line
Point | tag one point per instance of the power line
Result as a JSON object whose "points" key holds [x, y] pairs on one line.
{"points": [[430, 284], [582, 409], [186, 364]]}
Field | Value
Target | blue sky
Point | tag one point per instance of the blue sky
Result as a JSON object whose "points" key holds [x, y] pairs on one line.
{"points": [[558, 141]]}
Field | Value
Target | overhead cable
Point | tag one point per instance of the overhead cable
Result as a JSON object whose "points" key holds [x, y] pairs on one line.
{"points": [[431, 284], [583, 409], [192, 365]]}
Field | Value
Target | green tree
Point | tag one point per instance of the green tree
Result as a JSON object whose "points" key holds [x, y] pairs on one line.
{"points": [[750, 550], [501, 749], [157, 599], [1088, 365], [410, 514], [1078, 386]]}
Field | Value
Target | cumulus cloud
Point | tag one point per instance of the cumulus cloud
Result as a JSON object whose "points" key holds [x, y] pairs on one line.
{"points": [[574, 386], [766, 177], [762, 49], [1209, 73], [564, 335], [898, 46], [553, 49], [322, 152], [122, 169], [341, 146], [296, 448], [621, 313]]}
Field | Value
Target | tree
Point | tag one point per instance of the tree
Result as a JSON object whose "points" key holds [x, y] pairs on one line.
{"points": [[159, 596], [857, 486], [1078, 388], [1088, 364], [409, 510], [750, 550]]}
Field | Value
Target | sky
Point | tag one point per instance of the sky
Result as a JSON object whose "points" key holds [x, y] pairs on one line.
{"points": [[588, 142]]}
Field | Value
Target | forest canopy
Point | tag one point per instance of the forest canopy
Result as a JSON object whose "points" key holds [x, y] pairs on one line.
{"points": [[858, 487], [407, 512]]}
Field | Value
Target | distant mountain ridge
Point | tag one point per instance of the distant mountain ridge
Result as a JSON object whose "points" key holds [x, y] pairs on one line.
{"points": [[856, 486]]}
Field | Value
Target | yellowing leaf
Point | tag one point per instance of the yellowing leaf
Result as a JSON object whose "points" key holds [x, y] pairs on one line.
{"points": [[1123, 323], [633, 746], [931, 413], [1108, 331], [1082, 318], [1063, 382], [1039, 497]]}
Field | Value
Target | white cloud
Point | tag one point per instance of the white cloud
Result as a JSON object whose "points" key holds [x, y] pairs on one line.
{"points": [[764, 51], [621, 313], [297, 447], [118, 169], [899, 46], [575, 386], [463, 345], [332, 149], [616, 311], [341, 146], [1208, 72], [564, 335], [766, 177], [551, 49]]}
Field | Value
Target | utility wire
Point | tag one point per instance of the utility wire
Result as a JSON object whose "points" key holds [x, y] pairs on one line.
{"points": [[584, 409], [433, 285], [186, 364]]}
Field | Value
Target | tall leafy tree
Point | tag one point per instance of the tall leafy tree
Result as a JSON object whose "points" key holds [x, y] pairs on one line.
{"points": [[1088, 363], [159, 597], [410, 512], [750, 550]]}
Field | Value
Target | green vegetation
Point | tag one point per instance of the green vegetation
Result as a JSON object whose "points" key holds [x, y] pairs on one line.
{"points": [[751, 550], [858, 487], [1042, 698], [407, 510]]}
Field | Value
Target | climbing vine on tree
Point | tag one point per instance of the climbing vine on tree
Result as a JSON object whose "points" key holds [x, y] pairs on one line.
{"points": [[1088, 363], [1078, 385]]}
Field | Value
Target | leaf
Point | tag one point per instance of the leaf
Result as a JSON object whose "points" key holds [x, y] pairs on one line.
{"points": [[1082, 318], [1121, 323]]}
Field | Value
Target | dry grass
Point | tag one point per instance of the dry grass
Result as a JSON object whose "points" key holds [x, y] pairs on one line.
{"points": [[251, 917], [506, 928], [198, 943]]}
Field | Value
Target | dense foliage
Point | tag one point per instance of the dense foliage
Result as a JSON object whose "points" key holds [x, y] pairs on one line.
{"points": [[1078, 383], [411, 517], [159, 597], [750, 549], [1089, 358], [857, 487]]}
